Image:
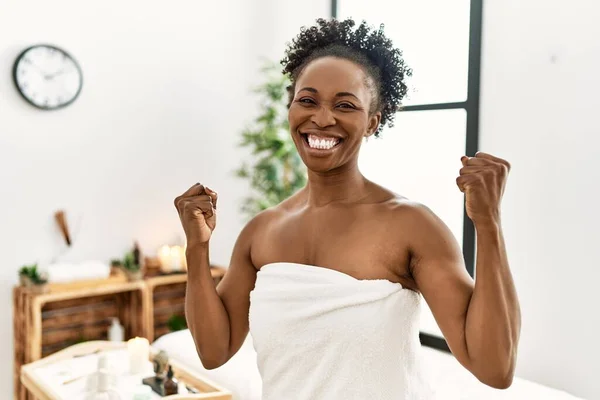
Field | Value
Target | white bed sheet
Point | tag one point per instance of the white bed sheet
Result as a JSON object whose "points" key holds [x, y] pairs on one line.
{"points": [[453, 382], [239, 375]]}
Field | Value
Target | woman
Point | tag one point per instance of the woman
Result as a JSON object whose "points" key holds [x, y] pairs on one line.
{"points": [[330, 280]]}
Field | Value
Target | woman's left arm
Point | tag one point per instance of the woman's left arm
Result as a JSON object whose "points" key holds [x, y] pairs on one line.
{"points": [[481, 321]]}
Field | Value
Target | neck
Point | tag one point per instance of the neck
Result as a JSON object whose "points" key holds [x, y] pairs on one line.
{"points": [[344, 185]]}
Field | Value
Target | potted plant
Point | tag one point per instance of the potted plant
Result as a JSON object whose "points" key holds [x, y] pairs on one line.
{"points": [[132, 269], [276, 171], [31, 277], [131, 264]]}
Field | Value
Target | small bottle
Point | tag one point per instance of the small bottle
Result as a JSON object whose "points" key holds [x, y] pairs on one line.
{"points": [[92, 381], [170, 386], [103, 390], [116, 332]]}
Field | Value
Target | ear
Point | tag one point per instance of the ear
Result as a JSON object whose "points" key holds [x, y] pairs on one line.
{"points": [[374, 121]]}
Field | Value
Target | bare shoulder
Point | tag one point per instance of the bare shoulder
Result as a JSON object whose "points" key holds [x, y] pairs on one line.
{"points": [[258, 226], [271, 214], [430, 243], [394, 205], [409, 216]]}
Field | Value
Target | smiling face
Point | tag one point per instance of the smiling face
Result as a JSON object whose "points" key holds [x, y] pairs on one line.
{"points": [[331, 113]]}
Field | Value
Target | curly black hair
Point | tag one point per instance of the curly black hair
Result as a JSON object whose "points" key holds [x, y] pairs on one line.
{"points": [[366, 46]]}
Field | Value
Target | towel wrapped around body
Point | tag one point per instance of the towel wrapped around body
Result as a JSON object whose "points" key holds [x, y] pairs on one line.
{"points": [[323, 334]]}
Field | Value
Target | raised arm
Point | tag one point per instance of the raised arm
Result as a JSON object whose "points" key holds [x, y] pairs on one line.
{"points": [[217, 316], [481, 321]]}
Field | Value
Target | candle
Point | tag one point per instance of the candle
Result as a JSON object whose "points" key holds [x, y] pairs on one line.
{"points": [[172, 259], [175, 258], [164, 256], [139, 354]]}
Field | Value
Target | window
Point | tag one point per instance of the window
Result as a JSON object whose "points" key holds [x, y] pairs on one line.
{"points": [[441, 42], [434, 38]]}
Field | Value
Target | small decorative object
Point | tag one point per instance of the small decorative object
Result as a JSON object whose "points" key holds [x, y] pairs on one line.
{"points": [[62, 224], [160, 362], [152, 266], [138, 350], [172, 259], [131, 264], [116, 332], [31, 277], [170, 386], [47, 77]]}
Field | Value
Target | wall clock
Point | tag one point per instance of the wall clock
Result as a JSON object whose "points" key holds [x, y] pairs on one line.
{"points": [[47, 77]]}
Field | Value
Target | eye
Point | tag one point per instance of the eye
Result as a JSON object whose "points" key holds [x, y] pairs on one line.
{"points": [[306, 100], [347, 106]]}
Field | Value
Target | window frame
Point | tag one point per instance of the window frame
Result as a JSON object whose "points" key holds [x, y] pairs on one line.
{"points": [[471, 106]]}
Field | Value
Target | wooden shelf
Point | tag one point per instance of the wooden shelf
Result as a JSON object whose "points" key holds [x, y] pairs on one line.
{"points": [[45, 323]]}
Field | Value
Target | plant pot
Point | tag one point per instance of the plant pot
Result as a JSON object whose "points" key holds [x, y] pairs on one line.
{"points": [[34, 287], [24, 280], [133, 276], [39, 288]]}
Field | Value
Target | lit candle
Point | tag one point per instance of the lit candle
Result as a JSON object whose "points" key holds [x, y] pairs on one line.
{"points": [[175, 258], [139, 354], [164, 256]]}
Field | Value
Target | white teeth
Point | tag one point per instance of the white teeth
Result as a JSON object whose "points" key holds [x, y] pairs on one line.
{"points": [[319, 143]]}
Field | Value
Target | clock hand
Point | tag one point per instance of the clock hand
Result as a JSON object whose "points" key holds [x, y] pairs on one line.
{"points": [[38, 68], [54, 75]]}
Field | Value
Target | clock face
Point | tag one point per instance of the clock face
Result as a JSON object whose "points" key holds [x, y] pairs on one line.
{"points": [[47, 77]]}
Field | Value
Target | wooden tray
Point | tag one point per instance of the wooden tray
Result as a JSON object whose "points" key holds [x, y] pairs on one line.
{"points": [[33, 380]]}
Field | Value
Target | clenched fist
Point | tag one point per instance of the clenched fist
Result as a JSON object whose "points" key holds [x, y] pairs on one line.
{"points": [[482, 179], [197, 212]]}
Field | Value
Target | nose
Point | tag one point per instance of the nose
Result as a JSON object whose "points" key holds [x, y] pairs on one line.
{"points": [[323, 117]]}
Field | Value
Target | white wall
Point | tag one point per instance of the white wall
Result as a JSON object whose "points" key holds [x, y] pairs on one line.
{"points": [[539, 110], [166, 94]]}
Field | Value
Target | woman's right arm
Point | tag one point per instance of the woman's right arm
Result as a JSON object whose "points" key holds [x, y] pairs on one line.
{"points": [[217, 316]]}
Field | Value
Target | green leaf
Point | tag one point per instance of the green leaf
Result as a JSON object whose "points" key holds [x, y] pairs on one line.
{"points": [[275, 170], [176, 323]]}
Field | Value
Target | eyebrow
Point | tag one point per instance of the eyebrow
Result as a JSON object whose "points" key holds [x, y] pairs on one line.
{"points": [[339, 94]]}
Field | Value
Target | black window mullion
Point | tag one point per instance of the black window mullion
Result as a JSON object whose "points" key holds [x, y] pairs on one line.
{"points": [[334, 8], [473, 96], [436, 106]]}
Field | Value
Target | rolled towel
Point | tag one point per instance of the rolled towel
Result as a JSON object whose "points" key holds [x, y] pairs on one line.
{"points": [[69, 272]]}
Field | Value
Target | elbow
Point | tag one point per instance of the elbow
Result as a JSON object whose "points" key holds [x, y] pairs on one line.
{"points": [[211, 363], [499, 377], [211, 360], [499, 382]]}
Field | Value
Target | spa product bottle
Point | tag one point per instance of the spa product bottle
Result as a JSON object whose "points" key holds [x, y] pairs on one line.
{"points": [[170, 386], [103, 389], [116, 332]]}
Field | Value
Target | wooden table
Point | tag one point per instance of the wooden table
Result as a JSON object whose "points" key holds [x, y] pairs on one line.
{"points": [[32, 379]]}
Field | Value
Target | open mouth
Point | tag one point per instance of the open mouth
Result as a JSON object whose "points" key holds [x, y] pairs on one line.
{"points": [[320, 142]]}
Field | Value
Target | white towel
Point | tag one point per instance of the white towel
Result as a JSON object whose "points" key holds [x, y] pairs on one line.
{"points": [[322, 334], [66, 272]]}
